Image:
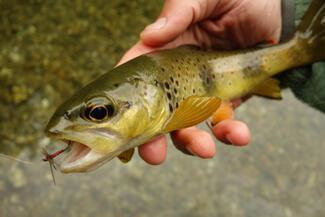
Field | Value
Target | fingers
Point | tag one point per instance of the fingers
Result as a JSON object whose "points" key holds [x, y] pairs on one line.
{"points": [[199, 143], [232, 132], [175, 18], [194, 141], [190, 141], [135, 51], [241, 26], [154, 151]]}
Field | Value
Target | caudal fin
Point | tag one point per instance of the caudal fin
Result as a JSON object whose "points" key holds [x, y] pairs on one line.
{"points": [[311, 30]]}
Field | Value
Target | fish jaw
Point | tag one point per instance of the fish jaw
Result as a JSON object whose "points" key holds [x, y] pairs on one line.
{"points": [[81, 158], [89, 150]]}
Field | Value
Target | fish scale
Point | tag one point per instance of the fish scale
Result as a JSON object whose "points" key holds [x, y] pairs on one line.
{"points": [[167, 90], [207, 73]]}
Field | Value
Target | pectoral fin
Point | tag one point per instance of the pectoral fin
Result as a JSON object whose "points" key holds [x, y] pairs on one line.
{"points": [[126, 155], [224, 112], [270, 88], [192, 111]]}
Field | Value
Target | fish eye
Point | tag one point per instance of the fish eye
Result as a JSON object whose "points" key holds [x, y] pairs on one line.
{"points": [[98, 112]]}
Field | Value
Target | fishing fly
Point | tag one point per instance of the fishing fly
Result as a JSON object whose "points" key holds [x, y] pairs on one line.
{"points": [[50, 158], [47, 158]]}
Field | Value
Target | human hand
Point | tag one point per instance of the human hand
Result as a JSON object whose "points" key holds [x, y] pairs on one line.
{"points": [[220, 24]]}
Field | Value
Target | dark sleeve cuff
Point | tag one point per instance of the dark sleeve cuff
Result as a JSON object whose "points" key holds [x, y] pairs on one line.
{"points": [[307, 83], [288, 19]]}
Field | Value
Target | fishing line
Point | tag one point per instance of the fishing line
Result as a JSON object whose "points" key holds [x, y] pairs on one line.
{"points": [[15, 159]]}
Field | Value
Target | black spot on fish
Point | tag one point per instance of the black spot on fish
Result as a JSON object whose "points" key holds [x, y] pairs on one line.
{"points": [[213, 76], [177, 83], [116, 85], [179, 68], [169, 96], [167, 85], [162, 69], [252, 70], [171, 79], [175, 90], [176, 104], [194, 90], [170, 107], [205, 75]]}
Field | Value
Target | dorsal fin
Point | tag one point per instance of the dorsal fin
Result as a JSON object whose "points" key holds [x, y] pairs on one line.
{"points": [[192, 111]]}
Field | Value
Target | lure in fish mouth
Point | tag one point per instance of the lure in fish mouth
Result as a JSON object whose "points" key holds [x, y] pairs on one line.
{"points": [[173, 89], [78, 157]]}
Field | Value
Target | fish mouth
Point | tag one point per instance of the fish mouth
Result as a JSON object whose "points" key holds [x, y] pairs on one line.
{"points": [[80, 154], [81, 158]]}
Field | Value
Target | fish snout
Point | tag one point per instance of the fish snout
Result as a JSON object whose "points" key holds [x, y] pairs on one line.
{"points": [[55, 128]]}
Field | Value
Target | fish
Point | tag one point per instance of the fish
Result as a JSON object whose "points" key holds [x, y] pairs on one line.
{"points": [[167, 90]]}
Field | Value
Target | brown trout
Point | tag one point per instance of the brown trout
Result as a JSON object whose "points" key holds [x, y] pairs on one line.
{"points": [[172, 89]]}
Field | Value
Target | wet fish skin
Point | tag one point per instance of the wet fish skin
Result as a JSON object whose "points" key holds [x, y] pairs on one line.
{"points": [[147, 92]]}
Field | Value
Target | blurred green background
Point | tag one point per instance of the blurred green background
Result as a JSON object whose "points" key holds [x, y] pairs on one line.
{"points": [[49, 49]]}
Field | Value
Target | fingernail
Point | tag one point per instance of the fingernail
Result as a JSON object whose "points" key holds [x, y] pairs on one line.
{"points": [[160, 23], [228, 139]]}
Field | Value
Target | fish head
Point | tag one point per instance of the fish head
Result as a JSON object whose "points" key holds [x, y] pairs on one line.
{"points": [[103, 119]]}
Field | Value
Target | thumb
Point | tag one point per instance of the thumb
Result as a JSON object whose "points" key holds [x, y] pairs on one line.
{"points": [[175, 18]]}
